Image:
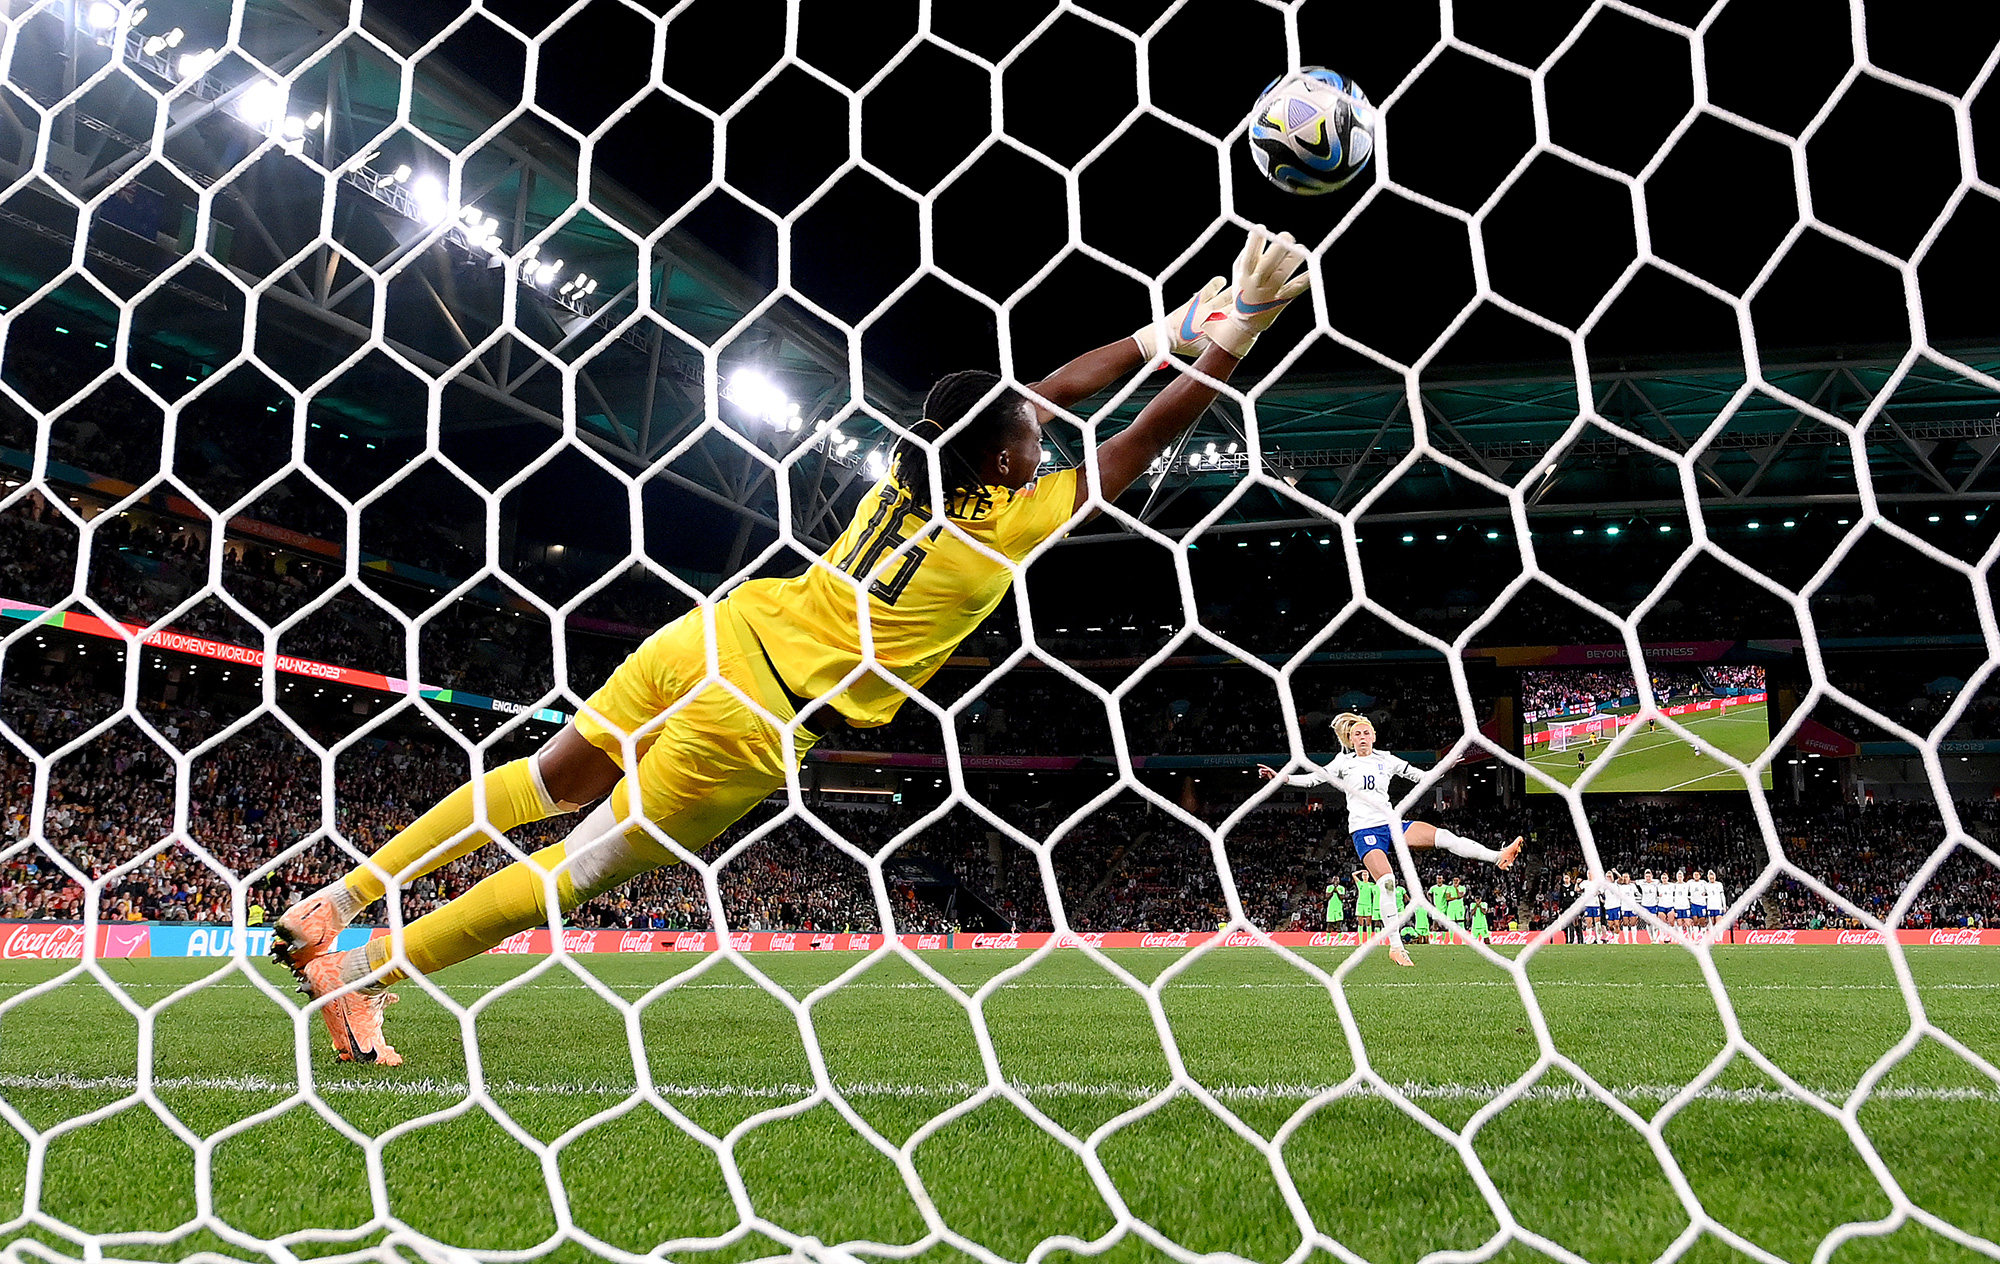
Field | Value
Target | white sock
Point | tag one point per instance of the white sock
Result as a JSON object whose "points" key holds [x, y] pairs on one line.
{"points": [[1459, 845], [602, 857], [354, 965], [346, 905]]}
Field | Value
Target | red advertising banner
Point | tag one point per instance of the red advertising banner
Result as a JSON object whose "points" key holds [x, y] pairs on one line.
{"points": [[592, 941], [55, 941], [202, 647], [1945, 937], [1595, 655], [1816, 738], [905, 759], [1608, 725]]}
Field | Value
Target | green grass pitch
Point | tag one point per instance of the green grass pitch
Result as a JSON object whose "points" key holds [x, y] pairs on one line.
{"points": [[1662, 761], [1083, 1048]]}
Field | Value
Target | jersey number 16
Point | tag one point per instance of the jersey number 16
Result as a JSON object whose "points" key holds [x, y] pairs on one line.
{"points": [[883, 533]]}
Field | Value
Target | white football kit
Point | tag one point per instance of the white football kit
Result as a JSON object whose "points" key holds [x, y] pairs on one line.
{"points": [[1681, 901], [1365, 780]]}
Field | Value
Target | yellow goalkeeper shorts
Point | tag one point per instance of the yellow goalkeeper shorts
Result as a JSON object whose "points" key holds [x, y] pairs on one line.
{"points": [[702, 767]]}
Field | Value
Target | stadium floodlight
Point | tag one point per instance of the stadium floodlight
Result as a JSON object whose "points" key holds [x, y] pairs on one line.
{"points": [[877, 464], [432, 207], [1576, 530], [191, 65], [1666, 526], [401, 174], [1753, 525], [1613, 529], [1791, 522], [1492, 535], [314, 119], [1934, 517], [758, 395], [1409, 539], [262, 103], [103, 16], [295, 127], [154, 45], [1972, 517]]}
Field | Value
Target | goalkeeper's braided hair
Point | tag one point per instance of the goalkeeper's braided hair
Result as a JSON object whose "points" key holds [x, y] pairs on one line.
{"points": [[955, 395]]}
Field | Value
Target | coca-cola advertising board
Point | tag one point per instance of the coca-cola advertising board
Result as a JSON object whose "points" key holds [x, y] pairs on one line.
{"points": [[42, 941], [56, 941]]}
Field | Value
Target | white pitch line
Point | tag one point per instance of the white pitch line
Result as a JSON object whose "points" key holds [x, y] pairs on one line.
{"points": [[1725, 772], [957, 1091], [1302, 985]]}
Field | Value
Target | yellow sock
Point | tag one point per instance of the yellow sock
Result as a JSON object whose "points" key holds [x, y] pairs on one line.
{"points": [[510, 901], [513, 797]]}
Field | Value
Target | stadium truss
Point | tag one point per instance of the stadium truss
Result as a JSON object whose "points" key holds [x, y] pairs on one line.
{"points": [[639, 393], [309, 217]]}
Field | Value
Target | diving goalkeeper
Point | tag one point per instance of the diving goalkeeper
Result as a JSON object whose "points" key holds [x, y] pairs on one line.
{"points": [[700, 758]]}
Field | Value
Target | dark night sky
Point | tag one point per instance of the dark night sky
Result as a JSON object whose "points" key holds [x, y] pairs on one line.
{"points": [[1882, 166]]}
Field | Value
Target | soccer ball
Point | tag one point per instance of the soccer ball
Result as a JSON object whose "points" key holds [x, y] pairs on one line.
{"points": [[1313, 131]]}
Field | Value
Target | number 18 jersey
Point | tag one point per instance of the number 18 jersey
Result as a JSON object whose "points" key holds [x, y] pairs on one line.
{"points": [[1371, 800], [921, 604]]}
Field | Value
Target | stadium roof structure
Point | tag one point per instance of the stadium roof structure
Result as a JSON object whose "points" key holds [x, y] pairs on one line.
{"points": [[1932, 435], [433, 250], [449, 218]]}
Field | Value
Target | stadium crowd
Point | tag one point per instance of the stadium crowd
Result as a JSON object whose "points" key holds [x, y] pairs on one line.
{"points": [[1581, 691], [254, 803], [258, 797]]}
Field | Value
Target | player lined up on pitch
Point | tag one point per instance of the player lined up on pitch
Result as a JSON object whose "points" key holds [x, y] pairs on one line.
{"points": [[1363, 774], [787, 643]]}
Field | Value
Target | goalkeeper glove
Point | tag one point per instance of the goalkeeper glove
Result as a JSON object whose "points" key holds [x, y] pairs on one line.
{"points": [[1264, 284], [1181, 332]]}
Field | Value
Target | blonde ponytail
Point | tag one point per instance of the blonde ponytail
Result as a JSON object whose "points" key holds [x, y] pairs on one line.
{"points": [[1343, 725]]}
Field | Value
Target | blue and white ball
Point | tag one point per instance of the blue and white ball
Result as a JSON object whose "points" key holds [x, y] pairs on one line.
{"points": [[1312, 132]]}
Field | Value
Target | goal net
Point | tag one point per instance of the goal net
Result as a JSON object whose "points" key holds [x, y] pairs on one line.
{"points": [[373, 378]]}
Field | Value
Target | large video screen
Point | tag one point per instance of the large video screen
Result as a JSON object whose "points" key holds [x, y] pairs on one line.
{"points": [[1571, 714]]}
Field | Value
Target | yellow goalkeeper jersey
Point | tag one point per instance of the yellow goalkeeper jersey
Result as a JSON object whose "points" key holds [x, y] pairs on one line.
{"points": [[920, 605]]}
